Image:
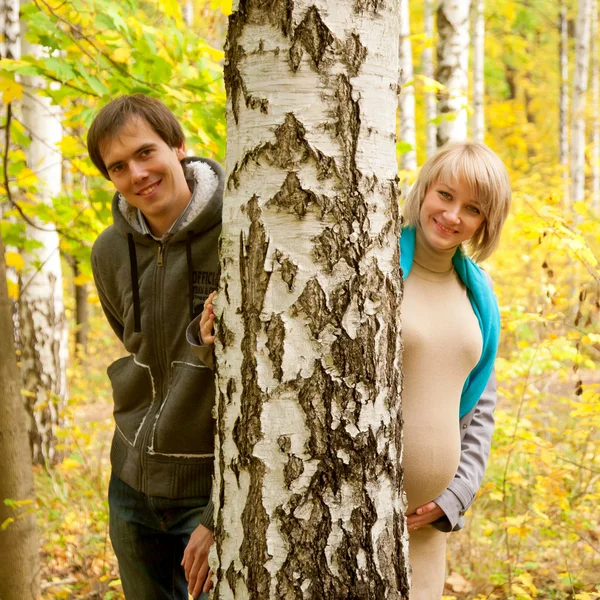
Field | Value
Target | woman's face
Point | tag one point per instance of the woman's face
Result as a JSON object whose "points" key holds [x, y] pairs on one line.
{"points": [[449, 215]]}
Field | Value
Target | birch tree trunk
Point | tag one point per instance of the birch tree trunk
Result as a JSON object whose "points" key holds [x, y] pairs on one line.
{"points": [[42, 332], [187, 11], [19, 564], [452, 69], [580, 86], [564, 100], [428, 73], [308, 451], [407, 93], [478, 127], [595, 153]]}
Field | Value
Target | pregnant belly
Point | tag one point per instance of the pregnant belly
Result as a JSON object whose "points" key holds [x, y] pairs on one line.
{"points": [[430, 458]]}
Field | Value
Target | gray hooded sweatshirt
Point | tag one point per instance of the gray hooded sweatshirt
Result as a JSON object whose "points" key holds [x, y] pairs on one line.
{"points": [[150, 290]]}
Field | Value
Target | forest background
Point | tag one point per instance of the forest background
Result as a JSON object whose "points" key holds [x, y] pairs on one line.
{"points": [[534, 531]]}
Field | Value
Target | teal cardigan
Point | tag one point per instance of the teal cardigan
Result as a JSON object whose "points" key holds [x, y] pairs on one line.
{"points": [[484, 306]]}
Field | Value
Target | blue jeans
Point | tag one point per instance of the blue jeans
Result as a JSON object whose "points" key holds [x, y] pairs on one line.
{"points": [[149, 535]]}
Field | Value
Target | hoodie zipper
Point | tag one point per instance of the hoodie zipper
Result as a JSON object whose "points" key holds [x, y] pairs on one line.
{"points": [[159, 261]]}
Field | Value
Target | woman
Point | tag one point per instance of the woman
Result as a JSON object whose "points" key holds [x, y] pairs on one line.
{"points": [[454, 215]]}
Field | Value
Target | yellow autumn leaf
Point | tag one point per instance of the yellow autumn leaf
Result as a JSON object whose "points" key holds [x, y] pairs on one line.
{"points": [[14, 260], [28, 394], [11, 90], [122, 54], [82, 279], [70, 463], [6, 523]]}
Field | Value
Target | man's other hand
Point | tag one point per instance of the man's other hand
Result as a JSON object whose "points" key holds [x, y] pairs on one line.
{"points": [[195, 561]]}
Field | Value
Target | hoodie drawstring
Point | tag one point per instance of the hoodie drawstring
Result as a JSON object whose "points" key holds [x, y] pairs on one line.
{"points": [[190, 266], [135, 289]]}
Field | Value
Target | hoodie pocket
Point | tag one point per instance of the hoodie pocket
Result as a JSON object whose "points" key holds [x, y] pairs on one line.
{"points": [[185, 424], [133, 393]]}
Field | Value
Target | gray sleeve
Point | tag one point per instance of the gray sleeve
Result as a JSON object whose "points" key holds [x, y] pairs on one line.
{"points": [[201, 350], [475, 449], [112, 316], [208, 515]]}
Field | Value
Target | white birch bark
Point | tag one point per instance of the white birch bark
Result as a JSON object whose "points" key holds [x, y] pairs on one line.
{"points": [[42, 332], [580, 86], [428, 73], [595, 112], [19, 567], [9, 29], [564, 100], [307, 492], [407, 92], [478, 126], [187, 11], [452, 69]]}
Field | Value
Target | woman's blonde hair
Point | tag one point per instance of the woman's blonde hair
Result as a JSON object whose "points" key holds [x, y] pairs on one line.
{"points": [[488, 182]]}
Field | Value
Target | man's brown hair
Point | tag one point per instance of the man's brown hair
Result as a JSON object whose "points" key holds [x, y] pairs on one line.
{"points": [[116, 114]]}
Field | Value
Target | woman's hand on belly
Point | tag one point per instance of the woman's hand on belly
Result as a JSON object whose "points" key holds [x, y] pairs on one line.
{"points": [[424, 515]]}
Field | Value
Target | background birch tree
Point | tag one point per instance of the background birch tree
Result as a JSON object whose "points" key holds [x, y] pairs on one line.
{"points": [[580, 86], [595, 112], [428, 74], [19, 564], [452, 69], [42, 334], [563, 111], [308, 427], [407, 93], [478, 127]]}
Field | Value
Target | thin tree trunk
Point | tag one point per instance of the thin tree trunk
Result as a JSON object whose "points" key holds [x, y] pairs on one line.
{"points": [[595, 153], [564, 100], [19, 564], [452, 68], [81, 311], [308, 484], [407, 93], [428, 73], [42, 332], [478, 72], [580, 86]]}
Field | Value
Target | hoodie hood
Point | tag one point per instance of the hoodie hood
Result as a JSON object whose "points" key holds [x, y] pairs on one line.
{"points": [[206, 179]]}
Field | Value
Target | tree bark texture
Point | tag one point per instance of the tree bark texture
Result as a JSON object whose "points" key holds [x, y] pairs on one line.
{"points": [[595, 150], [428, 73], [580, 86], [452, 69], [42, 332], [478, 127], [563, 121], [9, 28], [308, 450], [407, 93], [19, 560]]}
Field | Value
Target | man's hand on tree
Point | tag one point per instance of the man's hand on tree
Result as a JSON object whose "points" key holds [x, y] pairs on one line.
{"points": [[195, 561], [424, 515], [207, 320]]}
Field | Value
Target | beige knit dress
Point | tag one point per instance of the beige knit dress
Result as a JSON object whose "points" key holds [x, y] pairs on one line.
{"points": [[442, 344]]}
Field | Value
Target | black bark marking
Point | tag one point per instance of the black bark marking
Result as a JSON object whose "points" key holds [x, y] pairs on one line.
{"points": [[347, 127], [354, 55], [275, 337], [292, 470], [313, 303], [278, 13], [311, 36], [289, 152], [247, 430], [372, 6], [285, 443], [288, 269], [292, 197]]}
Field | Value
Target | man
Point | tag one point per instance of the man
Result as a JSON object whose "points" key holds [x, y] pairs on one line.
{"points": [[154, 268]]}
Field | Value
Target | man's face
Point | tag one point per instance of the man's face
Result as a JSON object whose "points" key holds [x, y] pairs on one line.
{"points": [[147, 173]]}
